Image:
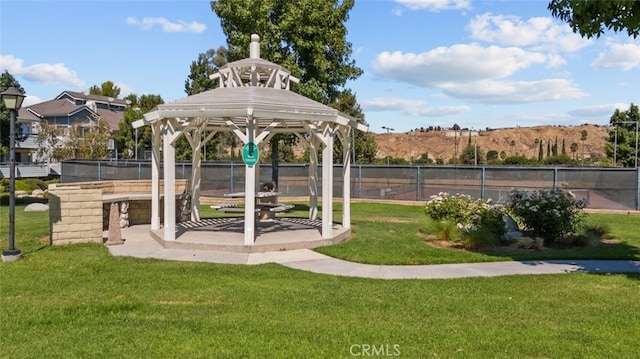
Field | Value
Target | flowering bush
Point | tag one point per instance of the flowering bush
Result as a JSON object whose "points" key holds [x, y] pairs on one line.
{"points": [[470, 214], [549, 214]]}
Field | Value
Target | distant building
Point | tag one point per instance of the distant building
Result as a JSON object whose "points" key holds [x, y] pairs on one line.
{"points": [[65, 110]]}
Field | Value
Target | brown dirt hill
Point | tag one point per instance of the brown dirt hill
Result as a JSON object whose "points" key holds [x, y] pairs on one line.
{"points": [[514, 141]]}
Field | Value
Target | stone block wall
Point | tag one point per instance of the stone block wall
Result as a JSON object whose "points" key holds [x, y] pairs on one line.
{"points": [[79, 213], [75, 215]]}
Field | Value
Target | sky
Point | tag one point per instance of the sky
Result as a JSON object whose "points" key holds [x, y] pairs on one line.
{"points": [[478, 64]]}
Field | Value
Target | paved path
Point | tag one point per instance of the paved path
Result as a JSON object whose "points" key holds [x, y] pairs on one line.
{"points": [[142, 246]]}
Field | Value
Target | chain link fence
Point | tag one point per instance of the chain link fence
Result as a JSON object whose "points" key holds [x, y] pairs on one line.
{"points": [[604, 188]]}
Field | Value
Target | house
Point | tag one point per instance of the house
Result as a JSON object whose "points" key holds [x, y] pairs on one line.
{"points": [[66, 109]]}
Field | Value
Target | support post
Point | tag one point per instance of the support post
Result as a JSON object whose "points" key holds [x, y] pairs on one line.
{"points": [[327, 184], [169, 170], [155, 175]]}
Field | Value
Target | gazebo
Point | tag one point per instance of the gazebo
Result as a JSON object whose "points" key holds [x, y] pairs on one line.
{"points": [[254, 102]]}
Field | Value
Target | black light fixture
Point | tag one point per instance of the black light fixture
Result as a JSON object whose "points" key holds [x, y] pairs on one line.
{"points": [[12, 99]]}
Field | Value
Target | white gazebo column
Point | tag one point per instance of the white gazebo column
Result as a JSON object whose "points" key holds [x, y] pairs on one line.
{"points": [[169, 157], [155, 175], [313, 178], [327, 183], [196, 178], [346, 178], [250, 187]]}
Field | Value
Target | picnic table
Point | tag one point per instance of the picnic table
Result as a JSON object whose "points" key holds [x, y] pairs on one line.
{"points": [[266, 205]]}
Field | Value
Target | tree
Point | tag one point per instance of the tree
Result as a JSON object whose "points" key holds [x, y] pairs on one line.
{"points": [[307, 37], [590, 18], [125, 138], [540, 152], [625, 122], [424, 159], [85, 140], [583, 137], [574, 149], [471, 155], [205, 65], [6, 81], [107, 88], [364, 145]]}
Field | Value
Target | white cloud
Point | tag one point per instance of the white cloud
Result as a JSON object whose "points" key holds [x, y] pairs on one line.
{"points": [[125, 89], [167, 26], [505, 92], [599, 110], [537, 32], [31, 100], [457, 64], [411, 107], [43, 73], [436, 5], [619, 56]]}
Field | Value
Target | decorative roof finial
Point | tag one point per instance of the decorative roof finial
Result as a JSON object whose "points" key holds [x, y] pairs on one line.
{"points": [[254, 47]]}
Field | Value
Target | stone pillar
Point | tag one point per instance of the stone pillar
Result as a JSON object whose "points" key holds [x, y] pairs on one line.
{"points": [[115, 235]]}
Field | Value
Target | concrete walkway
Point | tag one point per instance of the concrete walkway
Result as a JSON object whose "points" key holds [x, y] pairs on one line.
{"points": [[141, 245]]}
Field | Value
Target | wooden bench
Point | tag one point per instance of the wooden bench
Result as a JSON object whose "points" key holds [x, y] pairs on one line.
{"points": [[224, 205], [280, 207], [260, 208]]}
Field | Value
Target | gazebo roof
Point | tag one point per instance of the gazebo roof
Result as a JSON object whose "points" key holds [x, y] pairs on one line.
{"points": [[265, 104], [252, 87]]}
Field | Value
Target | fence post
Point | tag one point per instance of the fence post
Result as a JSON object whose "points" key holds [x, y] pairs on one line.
{"points": [[139, 171], [484, 172], [99, 172], [637, 189], [418, 187], [555, 178], [231, 179], [359, 181]]}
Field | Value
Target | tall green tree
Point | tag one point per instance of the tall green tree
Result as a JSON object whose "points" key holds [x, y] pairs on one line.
{"points": [[364, 146], [471, 155], [540, 152], [205, 65], [7, 80], [107, 88], [308, 37], [583, 137], [591, 17], [574, 149], [625, 122], [126, 138]]}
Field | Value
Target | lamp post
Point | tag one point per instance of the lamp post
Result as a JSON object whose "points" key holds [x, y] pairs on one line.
{"points": [[388, 149], [12, 99]]}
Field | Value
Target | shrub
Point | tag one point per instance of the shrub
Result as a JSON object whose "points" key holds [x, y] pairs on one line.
{"points": [[592, 234], [446, 230], [479, 237], [549, 214], [35, 183], [466, 212]]}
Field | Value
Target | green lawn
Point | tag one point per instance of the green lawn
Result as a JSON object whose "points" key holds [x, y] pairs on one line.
{"points": [[79, 301], [390, 234]]}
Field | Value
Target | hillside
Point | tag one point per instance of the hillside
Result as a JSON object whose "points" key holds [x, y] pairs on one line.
{"points": [[513, 141]]}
